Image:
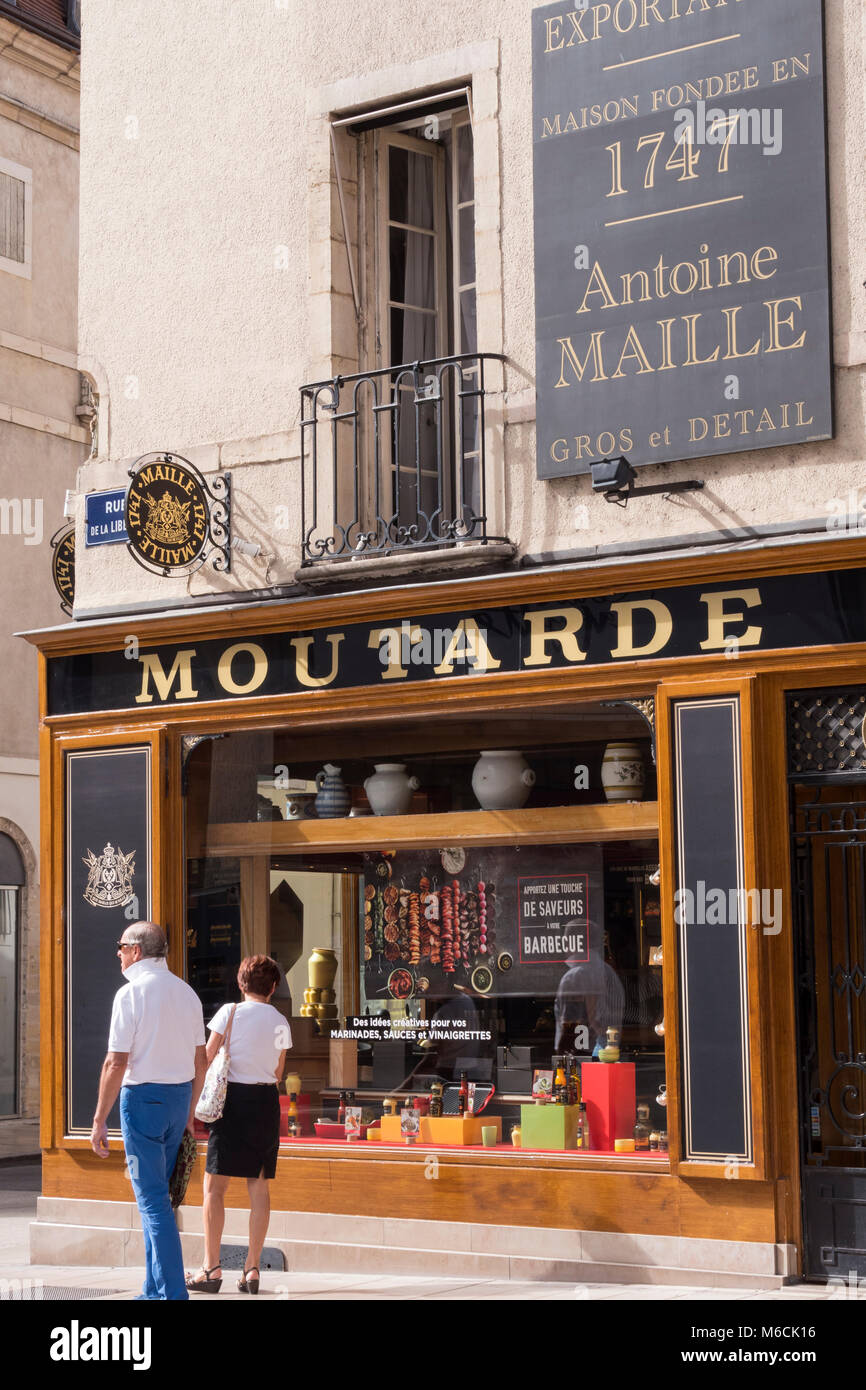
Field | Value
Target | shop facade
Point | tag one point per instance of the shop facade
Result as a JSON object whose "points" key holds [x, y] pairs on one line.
{"points": [[190, 764], [350, 509]]}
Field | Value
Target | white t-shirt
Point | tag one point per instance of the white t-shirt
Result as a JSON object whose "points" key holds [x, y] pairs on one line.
{"points": [[156, 1017], [259, 1034]]}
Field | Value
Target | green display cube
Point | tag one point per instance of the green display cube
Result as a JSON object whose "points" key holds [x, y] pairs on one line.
{"points": [[548, 1126]]}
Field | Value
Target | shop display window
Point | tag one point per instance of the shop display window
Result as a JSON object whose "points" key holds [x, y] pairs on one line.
{"points": [[469, 945]]}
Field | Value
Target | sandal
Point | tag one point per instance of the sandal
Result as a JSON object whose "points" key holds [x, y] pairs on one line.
{"points": [[206, 1284], [248, 1285]]}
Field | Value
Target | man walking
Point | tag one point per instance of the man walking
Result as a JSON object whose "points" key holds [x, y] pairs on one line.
{"points": [[156, 1054]]}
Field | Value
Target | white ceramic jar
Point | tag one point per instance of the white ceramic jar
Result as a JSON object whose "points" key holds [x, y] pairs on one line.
{"points": [[502, 779], [389, 790], [623, 774]]}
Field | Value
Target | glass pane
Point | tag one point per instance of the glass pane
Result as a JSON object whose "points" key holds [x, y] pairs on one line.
{"points": [[8, 1000], [410, 187], [413, 336], [214, 930], [468, 322], [423, 418], [469, 506], [413, 268], [488, 961], [467, 246], [465, 176], [471, 424]]}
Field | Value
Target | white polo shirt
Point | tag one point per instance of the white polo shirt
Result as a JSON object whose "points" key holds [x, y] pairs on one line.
{"points": [[157, 1019]]}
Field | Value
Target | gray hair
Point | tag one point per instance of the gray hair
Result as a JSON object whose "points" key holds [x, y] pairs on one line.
{"points": [[150, 937]]}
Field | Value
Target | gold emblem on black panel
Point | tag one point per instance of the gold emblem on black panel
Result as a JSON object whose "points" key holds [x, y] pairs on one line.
{"points": [[63, 568], [109, 878], [167, 515]]}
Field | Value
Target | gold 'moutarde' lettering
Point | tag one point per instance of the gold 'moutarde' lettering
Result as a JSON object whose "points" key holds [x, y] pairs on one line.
{"points": [[569, 622], [719, 617], [152, 669], [302, 647], [468, 644], [394, 670], [663, 625], [260, 668]]}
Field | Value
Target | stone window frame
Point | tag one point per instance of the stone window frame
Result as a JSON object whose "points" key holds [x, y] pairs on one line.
{"points": [[332, 319], [23, 269]]}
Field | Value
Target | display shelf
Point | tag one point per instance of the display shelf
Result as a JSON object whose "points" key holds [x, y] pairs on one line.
{"points": [[501, 1153], [633, 820]]}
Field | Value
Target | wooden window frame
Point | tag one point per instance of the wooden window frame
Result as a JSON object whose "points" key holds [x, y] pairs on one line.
{"points": [[23, 268]]}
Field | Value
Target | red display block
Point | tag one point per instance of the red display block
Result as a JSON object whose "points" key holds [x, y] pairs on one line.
{"points": [[609, 1091]]}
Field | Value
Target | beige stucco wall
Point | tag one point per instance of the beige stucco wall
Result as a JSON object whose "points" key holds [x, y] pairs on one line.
{"points": [[41, 439], [206, 152], [42, 443]]}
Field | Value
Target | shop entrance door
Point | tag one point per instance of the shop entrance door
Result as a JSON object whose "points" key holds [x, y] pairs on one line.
{"points": [[828, 829]]}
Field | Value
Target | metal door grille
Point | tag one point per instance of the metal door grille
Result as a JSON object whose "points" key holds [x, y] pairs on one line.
{"points": [[829, 868]]}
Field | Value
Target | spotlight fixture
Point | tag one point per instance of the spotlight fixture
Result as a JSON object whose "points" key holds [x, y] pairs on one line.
{"points": [[615, 479], [250, 548]]}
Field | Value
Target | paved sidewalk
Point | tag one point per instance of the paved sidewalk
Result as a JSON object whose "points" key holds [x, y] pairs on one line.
{"points": [[19, 1187]]}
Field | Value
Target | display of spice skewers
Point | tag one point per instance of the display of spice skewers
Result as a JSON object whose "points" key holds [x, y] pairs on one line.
{"points": [[453, 928]]}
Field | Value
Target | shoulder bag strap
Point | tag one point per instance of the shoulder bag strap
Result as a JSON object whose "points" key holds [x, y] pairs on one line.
{"points": [[229, 1030]]}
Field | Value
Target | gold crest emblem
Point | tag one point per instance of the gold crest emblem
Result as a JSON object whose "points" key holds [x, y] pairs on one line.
{"points": [[168, 520], [109, 880]]}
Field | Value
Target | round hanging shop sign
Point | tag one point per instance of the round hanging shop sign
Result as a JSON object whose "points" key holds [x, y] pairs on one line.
{"points": [[174, 520], [63, 567]]}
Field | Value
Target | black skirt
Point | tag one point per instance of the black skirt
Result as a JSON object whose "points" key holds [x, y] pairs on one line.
{"points": [[245, 1140]]}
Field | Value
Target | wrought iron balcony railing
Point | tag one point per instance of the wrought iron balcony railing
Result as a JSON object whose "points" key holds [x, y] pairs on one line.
{"points": [[394, 460]]}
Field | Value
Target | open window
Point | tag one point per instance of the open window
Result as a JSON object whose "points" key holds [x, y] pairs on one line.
{"points": [[394, 452]]}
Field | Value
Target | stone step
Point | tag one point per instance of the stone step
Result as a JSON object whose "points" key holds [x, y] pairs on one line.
{"points": [[53, 1242]]}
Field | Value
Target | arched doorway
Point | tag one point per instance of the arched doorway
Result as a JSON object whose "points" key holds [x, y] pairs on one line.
{"points": [[12, 879]]}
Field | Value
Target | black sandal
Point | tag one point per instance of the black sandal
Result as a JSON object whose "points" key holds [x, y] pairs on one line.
{"points": [[247, 1285], [205, 1285]]}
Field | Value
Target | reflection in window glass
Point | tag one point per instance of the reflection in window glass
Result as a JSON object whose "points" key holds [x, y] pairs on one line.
{"points": [[8, 1001], [525, 971]]}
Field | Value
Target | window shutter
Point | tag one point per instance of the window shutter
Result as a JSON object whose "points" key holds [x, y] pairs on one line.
{"points": [[12, 217]]}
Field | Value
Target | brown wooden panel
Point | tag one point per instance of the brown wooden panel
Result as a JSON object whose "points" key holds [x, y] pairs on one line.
{"points": [[780, 1029], [50, 945], [516, 1193]]}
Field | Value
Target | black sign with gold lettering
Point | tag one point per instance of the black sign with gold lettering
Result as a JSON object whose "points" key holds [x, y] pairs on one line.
{"points": [[731, 619], [63, 567], [681, 252], [171, 515]]}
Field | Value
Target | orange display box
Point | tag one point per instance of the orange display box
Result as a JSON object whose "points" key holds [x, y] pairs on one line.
{"points": [[443, 1129]]}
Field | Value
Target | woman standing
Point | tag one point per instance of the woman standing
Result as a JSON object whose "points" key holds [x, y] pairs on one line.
{"points": [[245, 1140]]}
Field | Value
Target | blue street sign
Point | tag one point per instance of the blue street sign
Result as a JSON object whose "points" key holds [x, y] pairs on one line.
{"points": [[104, 515]]}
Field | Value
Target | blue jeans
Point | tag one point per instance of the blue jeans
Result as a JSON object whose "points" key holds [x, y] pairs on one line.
{"points": [[152, 1121]]}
